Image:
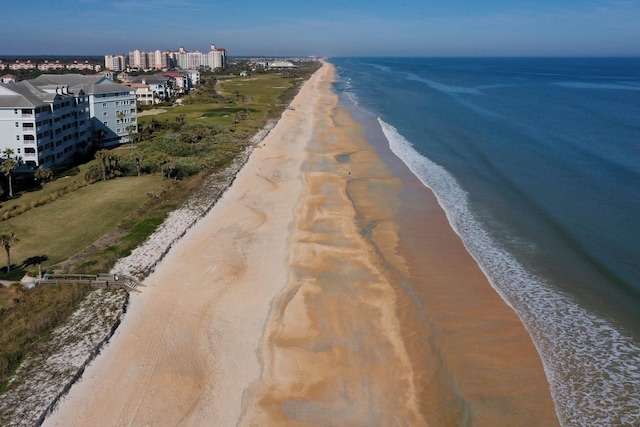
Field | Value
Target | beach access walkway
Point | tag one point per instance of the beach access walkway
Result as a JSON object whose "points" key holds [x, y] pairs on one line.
{"points": [[100, 280]]}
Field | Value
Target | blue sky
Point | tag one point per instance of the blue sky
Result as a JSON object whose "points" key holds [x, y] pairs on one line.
{"points": [[324, 28]]}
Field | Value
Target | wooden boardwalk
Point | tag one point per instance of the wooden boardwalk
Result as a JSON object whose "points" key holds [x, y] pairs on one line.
{"points": [[113, 281]]}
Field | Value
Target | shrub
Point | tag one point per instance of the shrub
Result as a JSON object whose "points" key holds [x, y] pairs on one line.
{"points": [[93, 174]]}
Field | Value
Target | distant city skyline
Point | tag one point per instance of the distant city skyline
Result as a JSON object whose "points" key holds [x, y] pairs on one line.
{"points": [[328, 28]]}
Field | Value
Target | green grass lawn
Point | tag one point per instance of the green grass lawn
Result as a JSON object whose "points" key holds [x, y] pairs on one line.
{"points": [[28, 197], [60, 229], [260, 94]]}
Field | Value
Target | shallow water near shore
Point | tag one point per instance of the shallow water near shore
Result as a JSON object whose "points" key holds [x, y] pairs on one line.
{"points": [[535, 165]]}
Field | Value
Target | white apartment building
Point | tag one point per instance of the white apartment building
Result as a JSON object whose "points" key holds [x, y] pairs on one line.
{"points": [[217, 57], [112, 106], [151, 90], [43, 125], [183, 80], [158, 60], [138, 60], [115, 62]]}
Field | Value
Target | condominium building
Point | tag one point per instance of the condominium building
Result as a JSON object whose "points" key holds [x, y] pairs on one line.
{"points": [[151, 90], [115, 62], [43, 125], [47, 120], [183, 79], [159, 60], [112, 106], [138, 60], [215, 58]]}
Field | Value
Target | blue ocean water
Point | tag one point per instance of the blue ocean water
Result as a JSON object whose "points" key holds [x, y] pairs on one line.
{"points": [[536, 162]]}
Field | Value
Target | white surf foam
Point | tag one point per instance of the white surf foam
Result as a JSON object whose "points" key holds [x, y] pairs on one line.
{"points": [[593, 369]]}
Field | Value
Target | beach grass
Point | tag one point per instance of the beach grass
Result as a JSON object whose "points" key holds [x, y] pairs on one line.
{"points": [[27, 317]]}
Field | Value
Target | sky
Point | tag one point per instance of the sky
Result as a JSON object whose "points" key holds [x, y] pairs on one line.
{"points": [[327, 28]]}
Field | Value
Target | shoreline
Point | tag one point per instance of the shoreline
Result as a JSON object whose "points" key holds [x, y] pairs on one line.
{"points": [[486, 353], [303, 296]]}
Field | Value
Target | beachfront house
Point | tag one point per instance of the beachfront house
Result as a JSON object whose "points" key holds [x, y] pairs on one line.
{"points": [[150, 90]]}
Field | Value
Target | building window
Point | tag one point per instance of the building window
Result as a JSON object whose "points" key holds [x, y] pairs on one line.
{"points": [[104, 104], [106, 123], [105, 114], [17, 137], [17, 124]]}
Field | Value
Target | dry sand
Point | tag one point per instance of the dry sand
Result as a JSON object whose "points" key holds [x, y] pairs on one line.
{"points": [[294, 302]]}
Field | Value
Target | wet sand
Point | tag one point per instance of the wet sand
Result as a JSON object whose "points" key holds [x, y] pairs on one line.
{"points": [[324, 288]]}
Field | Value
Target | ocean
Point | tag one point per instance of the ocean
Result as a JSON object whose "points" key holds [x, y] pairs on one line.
{"points": [[536, 162]]}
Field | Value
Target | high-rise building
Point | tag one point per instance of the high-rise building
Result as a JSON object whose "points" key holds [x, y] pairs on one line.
{"points": [[115, 62], [138, 60], [217, 57]]}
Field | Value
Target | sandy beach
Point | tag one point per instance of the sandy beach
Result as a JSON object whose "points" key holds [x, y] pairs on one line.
{"points": [[324, 288]]}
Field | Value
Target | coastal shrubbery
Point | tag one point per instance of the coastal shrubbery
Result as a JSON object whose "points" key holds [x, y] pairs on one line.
{"points": [[26, 316]]}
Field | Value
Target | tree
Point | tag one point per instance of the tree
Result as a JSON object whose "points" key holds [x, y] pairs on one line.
{"points": [[137, 157], [101, 156], [167, 164], [7, 168], [113, 168], [43, 175], [132, 134], [7, 239], [8, 153]]}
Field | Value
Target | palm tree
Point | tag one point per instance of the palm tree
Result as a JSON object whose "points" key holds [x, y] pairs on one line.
{"points": [[131, 132], [43, 175], [8, 153], [7, 239], [137, 158], [102, 156], [166, 163], [7, 168]]}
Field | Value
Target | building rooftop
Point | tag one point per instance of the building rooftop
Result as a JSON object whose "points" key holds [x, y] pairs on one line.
{"points": [[91, 85]]}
